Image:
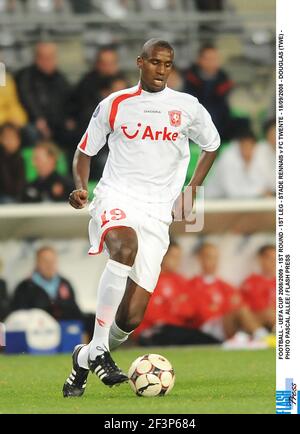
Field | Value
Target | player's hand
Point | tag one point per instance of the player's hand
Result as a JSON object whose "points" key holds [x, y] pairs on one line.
{"points": [[78, 198], [184, 204]]}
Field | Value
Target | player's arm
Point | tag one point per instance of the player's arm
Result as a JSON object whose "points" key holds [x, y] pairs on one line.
{"points": [[204, 164], [81, 171], [92, 141], [183, 206], [204, 133]]}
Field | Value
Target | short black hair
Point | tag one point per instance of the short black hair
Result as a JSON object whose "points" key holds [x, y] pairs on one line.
{"points": [[205, 47], [201, 245], [10, 126], [45, 248], [263, 249], [245, 134], [155, 42], [105, 48]]}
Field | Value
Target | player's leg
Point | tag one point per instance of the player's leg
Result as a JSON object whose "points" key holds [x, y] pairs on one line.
{"points": [[122, 246], [153, 244], [130, 313]]}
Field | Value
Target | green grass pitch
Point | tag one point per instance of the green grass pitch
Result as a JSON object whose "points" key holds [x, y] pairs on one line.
{"points": [[208, 380]]}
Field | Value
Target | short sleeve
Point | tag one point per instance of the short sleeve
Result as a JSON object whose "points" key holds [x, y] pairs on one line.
{"points": [[95, 136], [203, 131]]}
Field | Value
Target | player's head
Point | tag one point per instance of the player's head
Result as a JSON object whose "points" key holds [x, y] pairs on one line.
{"points": [[107, 61], [267, 260], [155, 63], [270, 132], [208, 257], [172, 258], [209, 59], [46, 57], [45, 155], [10, 138], [46, 262], [247, 143]]}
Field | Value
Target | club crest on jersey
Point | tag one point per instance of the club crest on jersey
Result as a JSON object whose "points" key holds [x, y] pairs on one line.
{"points": [[175, 118]]}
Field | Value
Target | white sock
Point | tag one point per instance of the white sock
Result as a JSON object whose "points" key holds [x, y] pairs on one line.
{"points": [[260, 333], [110, 292], [83, 356], [116, 336]]}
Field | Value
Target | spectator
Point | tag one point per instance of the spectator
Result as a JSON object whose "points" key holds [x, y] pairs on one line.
{"points": [[241, 172], [46, 289], [175, 80], [44, 92], [4, 300], [259, 289], [267, 151], [170, 312], [117, 83], [211, 85], [11, 110], [93, 87], [219, 308], [11, 164], [49, 185]]}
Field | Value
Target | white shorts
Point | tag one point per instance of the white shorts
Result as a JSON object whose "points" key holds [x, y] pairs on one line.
{"points": [[114, 211]]}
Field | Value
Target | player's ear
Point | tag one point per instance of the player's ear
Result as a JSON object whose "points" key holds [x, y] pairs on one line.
{"points": [[139, 62]]}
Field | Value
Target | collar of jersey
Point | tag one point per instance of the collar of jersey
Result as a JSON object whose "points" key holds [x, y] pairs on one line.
{"points": [[154, 94]]}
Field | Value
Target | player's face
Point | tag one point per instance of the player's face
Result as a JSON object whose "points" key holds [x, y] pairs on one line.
{"points": [[46, 264], [209, 258], [172, 260], [268, 263], [155, 69]]}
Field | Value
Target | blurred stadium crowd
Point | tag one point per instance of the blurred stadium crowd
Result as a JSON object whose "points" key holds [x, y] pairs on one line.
{"points": [[43, 117], [44, 112], [204, 309]]}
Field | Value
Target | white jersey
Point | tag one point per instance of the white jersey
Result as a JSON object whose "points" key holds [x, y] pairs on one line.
{"points": [[148, 143]]}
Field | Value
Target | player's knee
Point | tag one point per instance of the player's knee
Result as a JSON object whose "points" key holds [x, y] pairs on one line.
{"points": [[123, 246], [125, 254]]}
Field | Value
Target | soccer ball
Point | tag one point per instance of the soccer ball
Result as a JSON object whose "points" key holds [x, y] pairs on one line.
{"points": [[151, 375]]}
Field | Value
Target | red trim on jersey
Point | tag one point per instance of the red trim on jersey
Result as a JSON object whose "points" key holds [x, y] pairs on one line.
{"points": [[84, 142], [103, 238], [115, 105]]}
